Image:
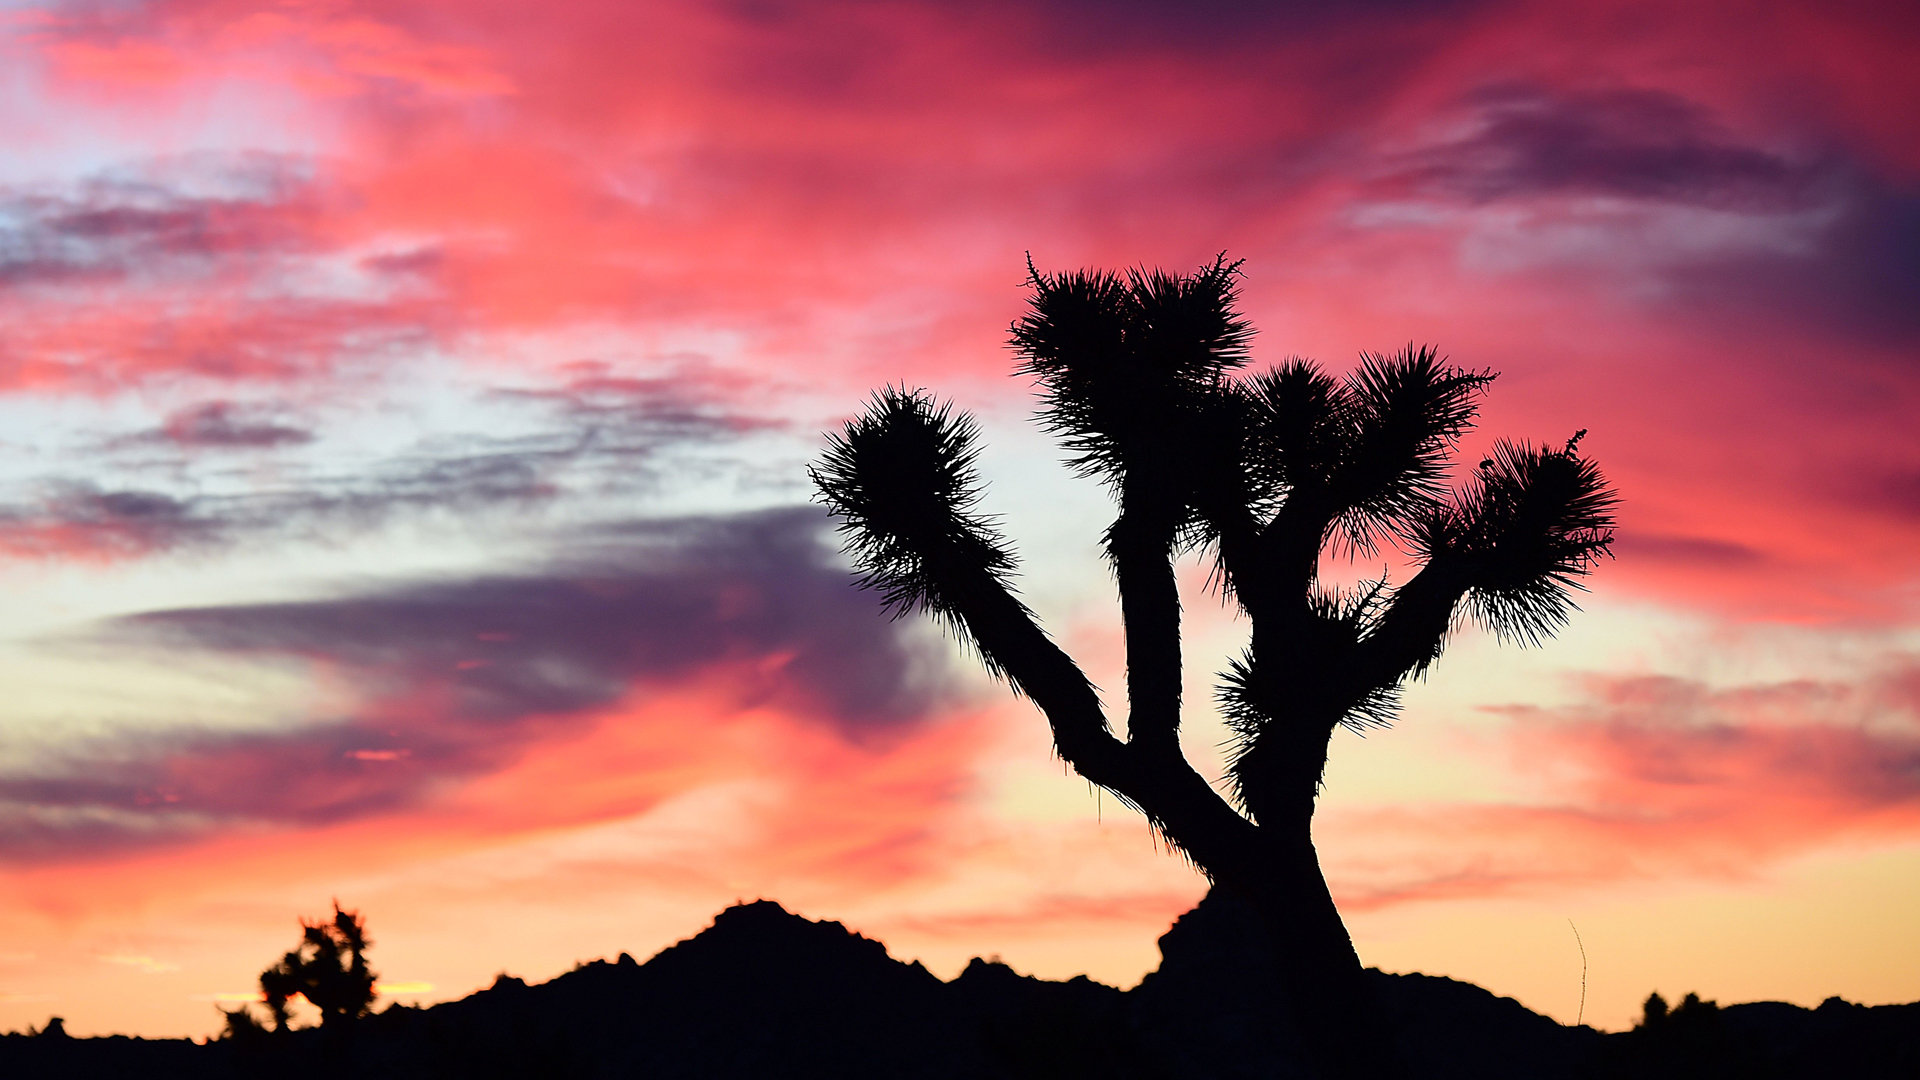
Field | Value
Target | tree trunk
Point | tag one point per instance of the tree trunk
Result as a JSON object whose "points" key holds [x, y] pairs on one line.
{"points": [[1271, 866], [1316, 968]]}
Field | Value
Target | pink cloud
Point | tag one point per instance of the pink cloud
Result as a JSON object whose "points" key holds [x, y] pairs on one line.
{"points": [[849, 192], [1656, 778], [130, 64]]}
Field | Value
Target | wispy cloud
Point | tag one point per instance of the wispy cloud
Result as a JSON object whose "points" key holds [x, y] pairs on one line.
{"points": [[1527, 141], [584, 437], [1649, 180], [212, 265], [146, 965], [1654, 778], [456, 677], [77, 520], [223, 425], [133, 229]]}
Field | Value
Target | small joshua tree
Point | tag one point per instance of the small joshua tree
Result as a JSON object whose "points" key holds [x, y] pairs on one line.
{"points": [[1140, 377], [328, 968]]}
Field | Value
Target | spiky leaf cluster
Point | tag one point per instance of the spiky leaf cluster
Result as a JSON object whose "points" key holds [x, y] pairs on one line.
{"points": [[1127, 365], [1525, 529], [1359, 456], [902, 481]]}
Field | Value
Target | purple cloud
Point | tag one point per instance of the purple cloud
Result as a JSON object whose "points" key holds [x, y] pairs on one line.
{"points": [[1633, 144], [594, 434], [223, 425], [1687, 550], [113, 228], [459, 676], [1824, 242]]}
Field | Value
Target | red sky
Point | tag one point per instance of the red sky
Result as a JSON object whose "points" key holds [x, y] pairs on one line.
{"points": [[406, 407]]}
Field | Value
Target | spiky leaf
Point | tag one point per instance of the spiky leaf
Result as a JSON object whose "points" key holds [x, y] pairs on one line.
{"points": [[901, 478]]}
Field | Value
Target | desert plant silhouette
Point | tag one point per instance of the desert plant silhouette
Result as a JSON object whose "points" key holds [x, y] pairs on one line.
{"points": [[328, 968], [1139, 375]]}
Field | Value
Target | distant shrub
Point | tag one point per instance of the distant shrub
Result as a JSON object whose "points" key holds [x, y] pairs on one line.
{"points": [[328, 968]]}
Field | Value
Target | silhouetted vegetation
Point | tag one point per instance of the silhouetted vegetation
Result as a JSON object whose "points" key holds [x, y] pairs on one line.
{"points": [[1264, 474], [764, 993], [328, 968]]}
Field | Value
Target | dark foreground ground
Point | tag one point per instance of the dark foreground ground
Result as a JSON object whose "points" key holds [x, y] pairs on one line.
{"points": [[764, 993]]}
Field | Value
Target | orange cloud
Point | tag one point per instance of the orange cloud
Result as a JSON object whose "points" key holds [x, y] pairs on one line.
{"points": [[848, 198], [1654, 778], [806, 803], [146, 965]]}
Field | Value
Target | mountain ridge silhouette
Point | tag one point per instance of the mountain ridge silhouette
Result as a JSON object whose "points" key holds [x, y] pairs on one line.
{"points": [[763, 992]]}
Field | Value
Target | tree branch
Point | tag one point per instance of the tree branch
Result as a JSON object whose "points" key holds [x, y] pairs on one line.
{"points": [[1140, 544], [1410, 633], [1174, 797], [1004, 631]]}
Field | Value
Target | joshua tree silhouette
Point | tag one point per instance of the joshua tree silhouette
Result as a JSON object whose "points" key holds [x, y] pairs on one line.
{"points": [[1139, 376], [329, 969]]}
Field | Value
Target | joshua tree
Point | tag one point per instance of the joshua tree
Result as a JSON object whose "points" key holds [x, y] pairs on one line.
{"points": [[1140, 377], [329, 969]]}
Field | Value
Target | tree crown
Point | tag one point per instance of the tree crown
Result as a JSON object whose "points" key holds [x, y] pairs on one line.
{"points": [[1141, 377]]}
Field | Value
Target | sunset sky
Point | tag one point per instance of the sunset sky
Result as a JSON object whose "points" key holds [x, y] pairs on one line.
{"points": [[404, 410]]}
